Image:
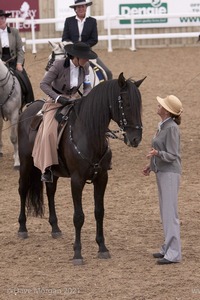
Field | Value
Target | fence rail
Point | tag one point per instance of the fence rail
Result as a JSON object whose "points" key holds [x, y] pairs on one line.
{"points": [[109, 37]]}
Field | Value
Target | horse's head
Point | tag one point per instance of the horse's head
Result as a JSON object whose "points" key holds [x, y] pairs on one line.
{"points": [[130, 106], [58, 52], [58, 48]]}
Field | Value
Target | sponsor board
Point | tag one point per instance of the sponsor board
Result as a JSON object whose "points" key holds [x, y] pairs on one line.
{"points": [[152, 7], [22, 9]]}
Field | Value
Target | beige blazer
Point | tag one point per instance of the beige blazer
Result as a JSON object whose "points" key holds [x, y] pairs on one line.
{"points": [[15, 45]]}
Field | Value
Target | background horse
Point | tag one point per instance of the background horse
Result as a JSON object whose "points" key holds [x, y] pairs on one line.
{"points": [[84, 154], [97, 73], [10, 104]]}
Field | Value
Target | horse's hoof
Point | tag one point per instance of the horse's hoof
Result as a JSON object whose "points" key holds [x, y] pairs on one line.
{"points": [[78, 261], [1, 154], [104, 255], [23, 235], [56, 235], [16, 168]]}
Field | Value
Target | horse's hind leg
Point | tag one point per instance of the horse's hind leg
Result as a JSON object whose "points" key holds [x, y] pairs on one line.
{"points": [[99, 191], [14, 139], [30, 191], [1, 143], [51, 190]]}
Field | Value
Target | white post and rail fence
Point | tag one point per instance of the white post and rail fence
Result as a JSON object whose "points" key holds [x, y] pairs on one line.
{"points": [[131, 35]]}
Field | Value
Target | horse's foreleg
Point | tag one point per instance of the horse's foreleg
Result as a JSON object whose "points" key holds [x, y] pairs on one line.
{"points": [[51, 190], [14, 140], [77, 188], [1, 143], [99, 191]]}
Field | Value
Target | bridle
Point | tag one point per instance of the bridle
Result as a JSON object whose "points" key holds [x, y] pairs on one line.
{"points": [[123, 121], [52, 59]]}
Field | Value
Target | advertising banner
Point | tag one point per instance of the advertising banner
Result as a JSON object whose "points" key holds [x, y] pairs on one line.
{"points": [[22, 9], [153, 7]]}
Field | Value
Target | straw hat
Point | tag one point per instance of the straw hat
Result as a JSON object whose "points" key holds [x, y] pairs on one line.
{"points": [[3, 13], [172, 104], [81, 50], [80, 2]]}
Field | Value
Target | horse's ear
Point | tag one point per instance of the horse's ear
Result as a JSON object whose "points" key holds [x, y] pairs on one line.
{"points": [[52, 44], [121, 80], [139, 82]]}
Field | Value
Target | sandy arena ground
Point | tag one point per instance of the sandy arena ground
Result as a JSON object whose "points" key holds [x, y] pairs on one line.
{"points": [[41, 268]]}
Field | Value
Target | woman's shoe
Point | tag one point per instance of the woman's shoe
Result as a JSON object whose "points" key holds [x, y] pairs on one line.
{"points": [[158, 255], [164, 261]]}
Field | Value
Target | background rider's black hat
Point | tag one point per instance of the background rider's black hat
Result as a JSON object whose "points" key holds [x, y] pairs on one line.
{"points": [[3, 13]]}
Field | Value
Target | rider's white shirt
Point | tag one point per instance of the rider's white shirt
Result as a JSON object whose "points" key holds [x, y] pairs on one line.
{"points": [[4, 37]]}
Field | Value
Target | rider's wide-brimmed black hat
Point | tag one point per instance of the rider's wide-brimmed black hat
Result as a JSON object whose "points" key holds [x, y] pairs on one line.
{"points": [[3, 13], [80, 2], [81, 50]]}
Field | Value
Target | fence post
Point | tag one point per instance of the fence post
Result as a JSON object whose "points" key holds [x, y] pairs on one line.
{"points": [[33, 35], [132, 33], [109, 35]]}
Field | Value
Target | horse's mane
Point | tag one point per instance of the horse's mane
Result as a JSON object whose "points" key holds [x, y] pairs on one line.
{"points": [[94, 111], [95, 108]]}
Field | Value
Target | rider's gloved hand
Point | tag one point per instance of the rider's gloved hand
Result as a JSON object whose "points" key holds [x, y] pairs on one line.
{"points": [[63, 101]]}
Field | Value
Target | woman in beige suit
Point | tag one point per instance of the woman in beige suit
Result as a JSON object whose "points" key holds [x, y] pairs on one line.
{"points": [[61, 84]]}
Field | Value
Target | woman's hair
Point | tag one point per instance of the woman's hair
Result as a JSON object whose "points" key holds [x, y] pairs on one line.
{"points": [[70, 56], [177, 119]]}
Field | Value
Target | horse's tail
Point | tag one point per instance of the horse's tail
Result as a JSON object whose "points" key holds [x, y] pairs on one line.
{"points": [[35, 199]]}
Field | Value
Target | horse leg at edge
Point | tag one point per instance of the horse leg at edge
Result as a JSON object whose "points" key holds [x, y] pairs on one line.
{"points": [[23, 190], [1, 143], [14, 140], [77, 189], [51, 190], [99, 191]]}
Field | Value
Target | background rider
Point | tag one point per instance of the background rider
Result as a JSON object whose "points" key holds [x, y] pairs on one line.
{"points": [[83, 28]]}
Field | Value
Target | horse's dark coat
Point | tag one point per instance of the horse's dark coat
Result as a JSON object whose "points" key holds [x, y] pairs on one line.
{"points": [[84, 152]]}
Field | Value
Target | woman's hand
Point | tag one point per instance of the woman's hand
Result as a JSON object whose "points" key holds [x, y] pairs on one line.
{"points": [[19, 67], [152, 152], [146, 171]]}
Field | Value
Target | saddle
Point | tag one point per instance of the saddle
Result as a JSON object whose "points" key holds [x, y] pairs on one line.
{"points": [[61, 116], [27, 91], [98, 71]]}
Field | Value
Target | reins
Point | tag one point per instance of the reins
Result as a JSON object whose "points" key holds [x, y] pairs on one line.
{"points": [[96, 166]]}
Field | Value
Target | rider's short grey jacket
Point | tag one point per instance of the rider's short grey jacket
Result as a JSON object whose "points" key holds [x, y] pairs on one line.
{"points": [[57, 80]]}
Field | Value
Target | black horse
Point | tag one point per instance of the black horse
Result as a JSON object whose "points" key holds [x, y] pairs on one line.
{"points": [[84, 154]]}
